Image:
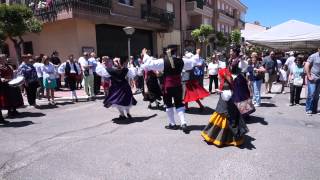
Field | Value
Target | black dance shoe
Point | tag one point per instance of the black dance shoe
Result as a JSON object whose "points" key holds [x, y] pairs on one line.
{"points": [[129, 116], [121, 117], [172, 127], [184, 128]]}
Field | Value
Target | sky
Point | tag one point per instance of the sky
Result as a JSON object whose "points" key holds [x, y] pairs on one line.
{"points": [[274, 12]]}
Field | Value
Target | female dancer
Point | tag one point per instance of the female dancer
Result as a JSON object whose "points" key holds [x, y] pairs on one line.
{"points": [[194, 91], [226, 126], [241, 92], [153, 93], [120, 94]]}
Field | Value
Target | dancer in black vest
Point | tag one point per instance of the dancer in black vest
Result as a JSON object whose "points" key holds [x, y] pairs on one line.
{"points": [[171, 66], [71, 70]]}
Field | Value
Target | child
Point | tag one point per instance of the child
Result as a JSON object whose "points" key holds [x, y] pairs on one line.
{"points": [[282, 78]]}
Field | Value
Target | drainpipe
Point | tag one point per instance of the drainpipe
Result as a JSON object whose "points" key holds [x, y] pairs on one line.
{"points": [[181, 31]]}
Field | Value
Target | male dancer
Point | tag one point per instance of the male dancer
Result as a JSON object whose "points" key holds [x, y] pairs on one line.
{"points": [[171, 66]]}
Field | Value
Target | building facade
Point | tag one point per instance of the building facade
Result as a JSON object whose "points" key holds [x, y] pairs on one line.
{"points": [[75, 26], [223, 15]]}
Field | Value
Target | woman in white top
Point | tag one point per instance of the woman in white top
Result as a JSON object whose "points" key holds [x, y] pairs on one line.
{"points": [[213, 73], [49, 79]]}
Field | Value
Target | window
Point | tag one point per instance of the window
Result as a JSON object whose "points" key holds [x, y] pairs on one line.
{"points": [[222, 6], [219, 28], [222, 28], [207, 21], [170, 7], [27, 47], [219, 5], [126, 2]]}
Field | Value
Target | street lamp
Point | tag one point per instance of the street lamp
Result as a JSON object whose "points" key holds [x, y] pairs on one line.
{"points": [[129, 32]]}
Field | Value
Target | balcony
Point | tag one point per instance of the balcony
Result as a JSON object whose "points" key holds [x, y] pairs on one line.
{"points": [[198, 8], [49, 12], [226, 13], [154, 14]]}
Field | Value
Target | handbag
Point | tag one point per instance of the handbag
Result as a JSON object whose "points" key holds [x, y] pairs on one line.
{"points": [[297, 81], [245, 107]]}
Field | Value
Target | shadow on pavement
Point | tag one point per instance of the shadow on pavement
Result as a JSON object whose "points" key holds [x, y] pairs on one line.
{"points": [[266, 97], [49, 106], [196, 127], [29, 114], [248, 143], [255, 119], [17, 124], [206, 111], [268, 105], [133, 120]]}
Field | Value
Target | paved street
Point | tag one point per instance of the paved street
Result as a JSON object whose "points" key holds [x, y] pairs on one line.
{"points": [[84, 141]]}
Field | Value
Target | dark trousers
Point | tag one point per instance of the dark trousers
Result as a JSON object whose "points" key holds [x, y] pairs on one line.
{"points": [[140, 82], [175, 94], [72, 82], [295, 92], [213, 78], [97, 83], [32, 92], [58, 80], [40, 89]]}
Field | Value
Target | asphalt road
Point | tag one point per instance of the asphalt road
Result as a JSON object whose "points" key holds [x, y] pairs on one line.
{"points": [[84, 141]]}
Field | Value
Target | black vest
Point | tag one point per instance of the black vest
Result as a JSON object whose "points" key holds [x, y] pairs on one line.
{"points": [[68, 68], [168, 70]]}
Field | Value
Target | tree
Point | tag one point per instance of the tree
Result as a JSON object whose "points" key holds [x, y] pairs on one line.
{"points": [[15, 21], [2, 39], [235, 37], [204, 30]]}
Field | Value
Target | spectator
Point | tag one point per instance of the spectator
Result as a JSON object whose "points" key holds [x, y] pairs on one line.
{"points": [[29, 73], [312, 68], [96, 78], [55, 60], [270, 65], [213, 73], [258, 72], [88, 79], [49, 79], [39, 65], [296, 80]]}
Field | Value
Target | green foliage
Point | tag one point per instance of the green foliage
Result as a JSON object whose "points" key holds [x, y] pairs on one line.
{"points": [[221, 39], [17, 20], [235, 37], [204, 30], [2, 38]]}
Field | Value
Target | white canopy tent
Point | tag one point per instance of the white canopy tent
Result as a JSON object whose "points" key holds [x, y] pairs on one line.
{"points": [[291, 35]]}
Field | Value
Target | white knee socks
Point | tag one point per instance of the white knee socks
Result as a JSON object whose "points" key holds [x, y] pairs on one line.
{"points": [[180, 112], [170, 114]]}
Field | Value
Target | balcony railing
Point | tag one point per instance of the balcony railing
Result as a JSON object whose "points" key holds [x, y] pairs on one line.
{"points": [[50, 11], [200, 3], [226, 13], [156, 14], [242, 21]]}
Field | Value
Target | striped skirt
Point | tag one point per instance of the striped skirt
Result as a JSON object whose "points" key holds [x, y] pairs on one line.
{"points": [[218, 132]]}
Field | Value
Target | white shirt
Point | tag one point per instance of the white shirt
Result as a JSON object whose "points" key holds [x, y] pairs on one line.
{"points": [[213, 68], [283, 75], [102, 71], [158, 64], [38, 67], [290, 63], [62, 68], [83, 62], [49, 71], [279, 63], [93, 61]]}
